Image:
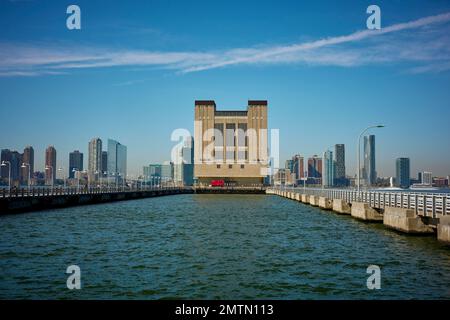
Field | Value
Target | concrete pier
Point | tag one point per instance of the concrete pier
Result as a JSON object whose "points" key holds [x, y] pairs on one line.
{"points": [[314, 201], [405, 220], [443, 229], [364, 212], [298, 197], [341, 206], [9, 205], [325, 203], [305, 198]]}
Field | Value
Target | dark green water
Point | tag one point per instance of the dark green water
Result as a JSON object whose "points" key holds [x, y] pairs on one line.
{"points": [[214, 247]]}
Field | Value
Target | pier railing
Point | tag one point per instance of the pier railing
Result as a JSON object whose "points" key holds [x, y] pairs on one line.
{"points": [[423, 203], [59, 191]]}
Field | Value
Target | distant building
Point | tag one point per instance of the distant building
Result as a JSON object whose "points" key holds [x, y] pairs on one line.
{"points": [[75, 163], [183, 164], [167, 172], [5, 157], [298, 168], [289, 165], [440, 182], [283, 177], [340, 173], [403, 174], [427, 178], [369, 170], [315, 167], [28, 160], [95, 158], [231, 145], [50, 165], [328, 169], [117, 161], [152, 171], [105, 163]]}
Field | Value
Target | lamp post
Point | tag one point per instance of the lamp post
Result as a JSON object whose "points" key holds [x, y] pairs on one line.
{"points": [[358, 173], [305, 178], [99, 173], [4, 164], [88, 179], [27, 165], [77, 174], [53, 178]]}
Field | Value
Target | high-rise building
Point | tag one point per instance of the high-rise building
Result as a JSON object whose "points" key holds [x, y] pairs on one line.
{"points": [[427, 178], [50, 165], [16, 167], [328, 169], [117, 161], [289, 164], [183, 163], [5, 157], [369, 171], [167, 172], [340, 165], [403, 173], [315, 167], [105, 163], [75, 163], [95, 158], [28, 160], [152, 171], [298, 167], [231, 145]]}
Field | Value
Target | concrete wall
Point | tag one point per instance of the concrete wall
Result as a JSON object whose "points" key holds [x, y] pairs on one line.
{"points": [[325, 203], [443, 229], [364, 212], [314, 201], [341, 206], [405, 220]]}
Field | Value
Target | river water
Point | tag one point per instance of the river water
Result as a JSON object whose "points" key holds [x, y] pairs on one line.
{"points": [[213, 247]]}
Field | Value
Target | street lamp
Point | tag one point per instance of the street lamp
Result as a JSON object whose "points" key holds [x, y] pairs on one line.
{"points": [[53, 178], [25, 165], [305, 178], [99, 173], [359, 153], [4, 164], [77, 174]]}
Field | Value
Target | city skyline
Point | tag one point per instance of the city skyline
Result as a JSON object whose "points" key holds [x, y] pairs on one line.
{"points": [[321, 97]]}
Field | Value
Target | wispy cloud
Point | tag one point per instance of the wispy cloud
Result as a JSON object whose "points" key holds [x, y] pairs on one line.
{"points": [[424, 42]]}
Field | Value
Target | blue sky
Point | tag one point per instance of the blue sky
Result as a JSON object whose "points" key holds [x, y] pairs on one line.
{"points": [[133, 71]]}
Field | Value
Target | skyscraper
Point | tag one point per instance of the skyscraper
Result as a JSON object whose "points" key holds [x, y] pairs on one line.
{"points": [[167, 172], [340, 165], [328, 169], [427, 178], [298, 167], [50, 165], [28, 160], [95, 158], [183, 164], [117, 161], [369, 171], [315, 167], [403, 173], [105, 163], [5, 156], [16, 170], [75, 162]]}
